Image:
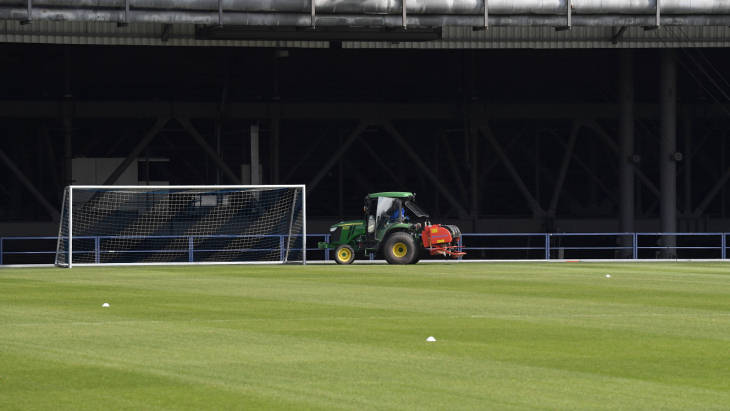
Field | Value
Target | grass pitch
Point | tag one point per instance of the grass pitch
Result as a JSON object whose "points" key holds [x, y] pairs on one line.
{"points": [[509, 336]]}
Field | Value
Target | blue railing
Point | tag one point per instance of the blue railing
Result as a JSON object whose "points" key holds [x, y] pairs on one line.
{"points": [[512, 246], [9, 245], [622, 245]]}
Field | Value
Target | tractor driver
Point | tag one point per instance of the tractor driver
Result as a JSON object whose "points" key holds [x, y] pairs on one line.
{"points": [[399, 214]]}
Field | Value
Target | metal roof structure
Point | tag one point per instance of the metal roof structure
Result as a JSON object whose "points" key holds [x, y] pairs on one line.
{"points": [[421, 24], [450, 37], [377, 13]]}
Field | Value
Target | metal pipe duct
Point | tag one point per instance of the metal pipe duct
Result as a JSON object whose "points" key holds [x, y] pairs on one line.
{"points": [[395, 6], [377, 13], [303, 20]]}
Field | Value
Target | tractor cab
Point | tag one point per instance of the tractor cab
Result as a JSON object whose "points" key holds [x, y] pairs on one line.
{"points": [[391, 210]]}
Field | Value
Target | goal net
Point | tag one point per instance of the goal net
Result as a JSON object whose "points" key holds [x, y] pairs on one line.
{"points": [[182, 224]]}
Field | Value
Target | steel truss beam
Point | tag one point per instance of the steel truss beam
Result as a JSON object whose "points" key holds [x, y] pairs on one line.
{"points": [[424, 169], [484, 172], [51, 210], [151, 134], [357, 175], [188, 126], [336, 156], [614, 147], [5, 191], [388, 127], [340, 110], [537, 210], [303, 159], [712, 194], [591, 173], [190, 166], [51, 158], [563, 169], [454, 167], [552, 178], [378, 160]]}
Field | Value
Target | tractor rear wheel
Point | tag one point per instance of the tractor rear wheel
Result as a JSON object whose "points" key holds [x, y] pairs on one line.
{"points": [[417, 258], [344, 254], [400, 248], [419, 250]]}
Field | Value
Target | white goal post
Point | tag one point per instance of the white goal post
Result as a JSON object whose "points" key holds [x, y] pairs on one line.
{"points": [[146, 225]]}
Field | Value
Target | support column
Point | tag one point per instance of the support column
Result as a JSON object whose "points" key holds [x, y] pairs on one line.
{"points": [[723, 162], [218, 130], [626, 150], [340, 182], [687, 159], [275, 147], [668, 147], [255, 176], [436, 168], [67, 107], [67, 141], [473, 134]]}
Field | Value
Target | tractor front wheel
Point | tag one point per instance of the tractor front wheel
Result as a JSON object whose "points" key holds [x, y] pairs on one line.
{"points": [[344, 254], [400, 248]]}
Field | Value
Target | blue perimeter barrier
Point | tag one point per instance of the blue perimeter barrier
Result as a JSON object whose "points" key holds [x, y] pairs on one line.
{"points": [[190, 250], [547, 245], [631, 243]]}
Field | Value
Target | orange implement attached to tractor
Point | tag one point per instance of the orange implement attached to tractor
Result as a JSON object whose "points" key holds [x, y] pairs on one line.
{"points": [[442, 240]]}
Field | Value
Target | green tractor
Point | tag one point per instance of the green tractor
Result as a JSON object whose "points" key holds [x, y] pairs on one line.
{"points": [[394, 226]]}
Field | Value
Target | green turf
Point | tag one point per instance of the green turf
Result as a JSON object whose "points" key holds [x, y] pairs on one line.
{"points": [[510, 336]]}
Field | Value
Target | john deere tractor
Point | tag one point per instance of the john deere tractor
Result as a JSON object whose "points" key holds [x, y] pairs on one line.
{"points": [[395, 227]]}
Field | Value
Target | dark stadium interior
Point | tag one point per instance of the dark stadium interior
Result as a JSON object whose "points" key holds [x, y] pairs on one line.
{"points": [[62, 101], [264, 74]]}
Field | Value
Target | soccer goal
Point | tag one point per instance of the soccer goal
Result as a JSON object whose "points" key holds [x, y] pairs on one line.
{"points": [[118, 225]]}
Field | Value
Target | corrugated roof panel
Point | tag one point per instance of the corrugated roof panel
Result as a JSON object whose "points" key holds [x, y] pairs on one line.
{"points": [[578, 37], [103, 33], [452, 37]]}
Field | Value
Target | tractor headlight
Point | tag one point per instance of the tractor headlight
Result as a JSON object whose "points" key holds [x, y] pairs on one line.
{"points": [[333, 228]]}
